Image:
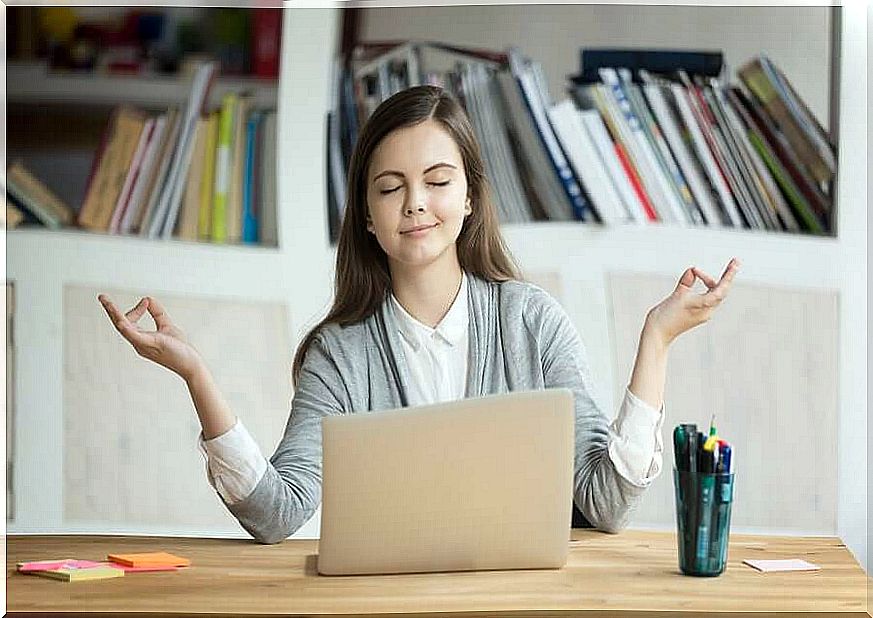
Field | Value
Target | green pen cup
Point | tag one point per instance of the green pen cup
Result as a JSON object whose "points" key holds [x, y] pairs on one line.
{"points": [[703, 520]]}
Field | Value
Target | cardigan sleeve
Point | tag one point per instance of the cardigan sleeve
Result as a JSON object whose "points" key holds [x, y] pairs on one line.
{"points": [[604, 496], [289, 491]]}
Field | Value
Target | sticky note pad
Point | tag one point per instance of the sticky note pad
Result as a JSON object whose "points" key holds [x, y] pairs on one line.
{"points": [[144, 569], [149, 559], [73, 573], [796, 564]]}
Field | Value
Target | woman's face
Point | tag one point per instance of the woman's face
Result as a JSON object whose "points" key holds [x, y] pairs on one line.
{"points": [[417, 195]]}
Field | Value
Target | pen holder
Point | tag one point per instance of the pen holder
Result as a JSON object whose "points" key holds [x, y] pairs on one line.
{"points": [[703, 518]]}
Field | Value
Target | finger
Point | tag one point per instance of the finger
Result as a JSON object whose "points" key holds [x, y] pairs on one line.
{"points": [[707, 280], [136, 313], [686, 280], [122, 324], [158, 313], [727, 277]]}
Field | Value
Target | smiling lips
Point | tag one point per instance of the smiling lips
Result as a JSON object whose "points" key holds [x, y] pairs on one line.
{"points": [[419, 229]]}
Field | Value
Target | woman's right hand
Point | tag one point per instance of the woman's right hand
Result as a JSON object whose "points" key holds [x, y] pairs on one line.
{"points": [[166, 346]]}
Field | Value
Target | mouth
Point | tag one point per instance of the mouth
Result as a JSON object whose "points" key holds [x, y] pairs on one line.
{"points": [[420, 229]]}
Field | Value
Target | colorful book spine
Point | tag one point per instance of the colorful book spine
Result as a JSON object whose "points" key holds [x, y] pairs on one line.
{"points": [[250, 222], [223, 155]]}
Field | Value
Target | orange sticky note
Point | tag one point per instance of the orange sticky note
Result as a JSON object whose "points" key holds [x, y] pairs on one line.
{"points": [[149, 559]]}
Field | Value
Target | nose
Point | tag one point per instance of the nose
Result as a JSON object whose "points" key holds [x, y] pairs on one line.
{"points": [[415, 202]]}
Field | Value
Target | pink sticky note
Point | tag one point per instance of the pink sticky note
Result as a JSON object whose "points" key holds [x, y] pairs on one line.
{"points": [[795, 564], [51, 565]]}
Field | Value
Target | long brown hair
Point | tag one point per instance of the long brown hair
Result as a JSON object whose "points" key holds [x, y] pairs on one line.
{"points": [[363, 280]]}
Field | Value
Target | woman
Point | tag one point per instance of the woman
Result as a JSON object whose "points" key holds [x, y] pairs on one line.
{"points": [[428, 307]]}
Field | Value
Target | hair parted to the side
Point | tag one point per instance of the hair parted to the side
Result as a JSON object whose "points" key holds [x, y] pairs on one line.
{"points": [[363, 279]]}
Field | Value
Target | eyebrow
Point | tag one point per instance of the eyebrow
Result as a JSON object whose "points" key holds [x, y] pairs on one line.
{"points": [[430, 169]]}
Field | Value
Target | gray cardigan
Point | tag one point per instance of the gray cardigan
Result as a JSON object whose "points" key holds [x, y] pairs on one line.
{"points": [[520, 338]]}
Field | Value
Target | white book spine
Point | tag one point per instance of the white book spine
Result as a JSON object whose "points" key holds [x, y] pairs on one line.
{"points": [[667, 202], [132, 174], [583, 158], [149, 161], [606, 150]]}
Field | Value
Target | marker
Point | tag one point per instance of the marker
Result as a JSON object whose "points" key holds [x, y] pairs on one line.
{"points": [[713, 435], [707, 496], [724, 460]]}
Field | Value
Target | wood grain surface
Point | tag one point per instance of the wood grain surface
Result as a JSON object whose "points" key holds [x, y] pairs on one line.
{"points": [[633, 573]]}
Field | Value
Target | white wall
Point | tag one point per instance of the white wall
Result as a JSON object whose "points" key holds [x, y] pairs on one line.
{"points": [[554, 33]]}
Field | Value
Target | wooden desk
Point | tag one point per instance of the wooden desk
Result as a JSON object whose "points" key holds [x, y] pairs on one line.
{"points": [[629, 574]]}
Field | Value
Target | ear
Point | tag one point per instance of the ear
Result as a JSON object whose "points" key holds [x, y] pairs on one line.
{"points": [[370, 227], [468, 208]]}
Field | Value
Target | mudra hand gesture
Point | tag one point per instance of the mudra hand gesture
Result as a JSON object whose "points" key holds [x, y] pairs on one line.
{"points": [[166, 346], [684, 309]]}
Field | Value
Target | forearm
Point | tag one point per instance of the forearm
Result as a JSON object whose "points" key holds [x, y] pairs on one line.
{"points": [[650, 368], [215, 415]]}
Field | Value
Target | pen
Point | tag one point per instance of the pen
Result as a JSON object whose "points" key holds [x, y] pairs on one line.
{"points": [[713, 434], [724, 460], [707, 494]]}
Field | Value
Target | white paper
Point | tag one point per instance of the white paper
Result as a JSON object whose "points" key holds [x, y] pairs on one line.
{"points": [[794, 564]]}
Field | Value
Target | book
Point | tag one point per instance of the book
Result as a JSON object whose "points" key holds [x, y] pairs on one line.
{"points": [[268, 225], [701, 149], [121, 204], [234, 213], [126, 126], [675, 186], [223, 155], [207, 181], [582, 155], [596, 130], [249, 214], [266, 40], [592, 59], [36, 197], [189, 216], [142, 222], [671, 127], [145, 178], [759, 82], [164, 220]]}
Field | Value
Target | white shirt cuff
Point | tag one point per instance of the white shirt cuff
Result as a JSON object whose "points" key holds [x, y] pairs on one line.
{"points": [[234, 463], [635, 443]]}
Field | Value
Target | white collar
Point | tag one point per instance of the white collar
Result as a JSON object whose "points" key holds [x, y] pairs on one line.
{"points": [[451, 328]]}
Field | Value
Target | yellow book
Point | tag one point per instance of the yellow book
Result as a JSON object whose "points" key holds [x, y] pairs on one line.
{"points": [[223, 154], [207, 184]]}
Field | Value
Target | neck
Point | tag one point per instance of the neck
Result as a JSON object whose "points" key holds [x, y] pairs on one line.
{"points": [[427, 292]]}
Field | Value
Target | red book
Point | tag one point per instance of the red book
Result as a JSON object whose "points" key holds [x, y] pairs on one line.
{"points": [[635, 182], [266, 41]]}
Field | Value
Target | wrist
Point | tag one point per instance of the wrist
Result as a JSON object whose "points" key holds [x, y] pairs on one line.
{"points": [[653, 336]]}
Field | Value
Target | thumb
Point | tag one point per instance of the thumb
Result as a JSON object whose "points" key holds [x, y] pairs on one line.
{"points": [[686, 280]]}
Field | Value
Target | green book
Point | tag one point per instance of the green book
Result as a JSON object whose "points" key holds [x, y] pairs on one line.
{"points": [[223, 166], [795, 198]]}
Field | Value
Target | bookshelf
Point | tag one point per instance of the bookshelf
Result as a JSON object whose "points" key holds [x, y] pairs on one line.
{"points": [[31, 82], [300, 273]]}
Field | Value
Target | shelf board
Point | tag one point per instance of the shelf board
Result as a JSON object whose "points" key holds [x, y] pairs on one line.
{"points": [[31, 82]]}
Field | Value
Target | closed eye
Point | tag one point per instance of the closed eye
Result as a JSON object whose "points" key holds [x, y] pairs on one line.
{"points": [[439, 184], [387, 191]]}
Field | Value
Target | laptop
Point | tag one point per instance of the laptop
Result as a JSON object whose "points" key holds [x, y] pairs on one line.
{"points": [[476, 484]]}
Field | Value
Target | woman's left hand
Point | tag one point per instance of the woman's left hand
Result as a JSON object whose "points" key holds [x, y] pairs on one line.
{"points": [[685, 309]]}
